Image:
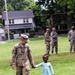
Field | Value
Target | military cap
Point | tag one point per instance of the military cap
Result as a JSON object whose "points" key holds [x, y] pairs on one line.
{"points": [[72, 27], [53, 28], [25, 37], [47, 29]]}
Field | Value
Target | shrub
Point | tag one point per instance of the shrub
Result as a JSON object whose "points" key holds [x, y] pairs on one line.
{"points": [[31, 33]]}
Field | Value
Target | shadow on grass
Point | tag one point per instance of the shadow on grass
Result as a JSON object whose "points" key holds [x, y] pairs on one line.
{"points": [[61, 57]]}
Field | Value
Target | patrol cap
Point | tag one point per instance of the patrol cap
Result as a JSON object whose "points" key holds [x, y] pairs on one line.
{"points": [[53, 28], [25, 37], [72, 27]]}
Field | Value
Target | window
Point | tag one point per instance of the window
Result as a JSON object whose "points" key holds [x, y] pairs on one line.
{"points": [[27, 20], [9, 21], [12, 21], [24, 20]]}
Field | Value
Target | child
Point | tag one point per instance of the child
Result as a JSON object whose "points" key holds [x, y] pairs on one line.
{"points": [[47, 67]]}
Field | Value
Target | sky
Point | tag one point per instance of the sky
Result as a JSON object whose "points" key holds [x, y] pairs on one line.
{"points": [[35, 0]]}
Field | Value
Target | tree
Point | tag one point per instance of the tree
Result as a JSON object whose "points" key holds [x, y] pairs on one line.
{"points": [[41, 16], [0, 25], [1, 6], [46, 2], [67, 7], [50, 8], [10, 8], [16, 4], [70, 4], [20, 4]]}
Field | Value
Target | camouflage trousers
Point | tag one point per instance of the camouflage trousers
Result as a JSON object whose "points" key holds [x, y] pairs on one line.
{"points": [[47, 47], [72, 44], [55, 45], [22, 71]]}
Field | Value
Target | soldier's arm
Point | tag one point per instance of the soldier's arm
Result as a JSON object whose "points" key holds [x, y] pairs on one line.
{"points": [[69, 36], [54, 35], [48, 40], [30, 57], [45, 36], [13, 56]]}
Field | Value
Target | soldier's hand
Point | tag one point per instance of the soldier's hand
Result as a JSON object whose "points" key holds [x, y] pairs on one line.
{"points": [[33, 66], [13, 66]]}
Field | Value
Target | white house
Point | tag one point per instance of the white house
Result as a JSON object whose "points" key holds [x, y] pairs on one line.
{"points": [[19, 21], [2, 34]]}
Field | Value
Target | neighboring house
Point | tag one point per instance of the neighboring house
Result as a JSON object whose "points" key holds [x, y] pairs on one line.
{"points": [[19, 21], [2, 34]]}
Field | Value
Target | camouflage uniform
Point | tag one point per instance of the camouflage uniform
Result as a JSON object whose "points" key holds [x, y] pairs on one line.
{"points": [[21, 56], [47, 42], [71, 37], [54, 41]]}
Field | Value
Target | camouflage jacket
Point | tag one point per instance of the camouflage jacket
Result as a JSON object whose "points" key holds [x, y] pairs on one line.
{"points": [[47, 37], [21, 55], [54, 36], [71, 35]]}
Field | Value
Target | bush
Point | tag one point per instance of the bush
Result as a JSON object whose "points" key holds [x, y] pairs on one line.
{"points": [[31, 33], [11, 35]]}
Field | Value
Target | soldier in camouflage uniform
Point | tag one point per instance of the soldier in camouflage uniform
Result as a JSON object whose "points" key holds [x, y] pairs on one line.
{"points": [[54, 40], [71, 37], [47, 40], [21, 56]]}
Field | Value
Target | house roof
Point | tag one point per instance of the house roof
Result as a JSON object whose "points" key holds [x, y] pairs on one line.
{"points": [[19, 26], [18, 14]]}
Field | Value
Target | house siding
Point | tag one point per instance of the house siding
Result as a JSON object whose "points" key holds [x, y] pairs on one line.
{"points": [[20, 21], [30, 20]]}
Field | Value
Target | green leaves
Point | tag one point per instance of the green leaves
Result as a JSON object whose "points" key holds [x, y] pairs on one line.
{"points": [[0, 25], [69, 3]]}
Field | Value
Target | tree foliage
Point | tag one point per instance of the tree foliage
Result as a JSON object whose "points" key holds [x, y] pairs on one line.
{"points": [[20, 4], [70, 4], [41, 17], [16, 4], [1, 6]]}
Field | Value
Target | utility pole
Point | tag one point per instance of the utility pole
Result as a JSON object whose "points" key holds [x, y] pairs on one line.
{"points": [[7, 21]]}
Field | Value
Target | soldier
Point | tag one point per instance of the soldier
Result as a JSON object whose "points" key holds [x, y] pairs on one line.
{"points": [[47, 40], [54, 40], [21, 56], [71, 37]]}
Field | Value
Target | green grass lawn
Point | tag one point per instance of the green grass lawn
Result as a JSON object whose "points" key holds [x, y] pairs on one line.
{"points": [[63, 63]]}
